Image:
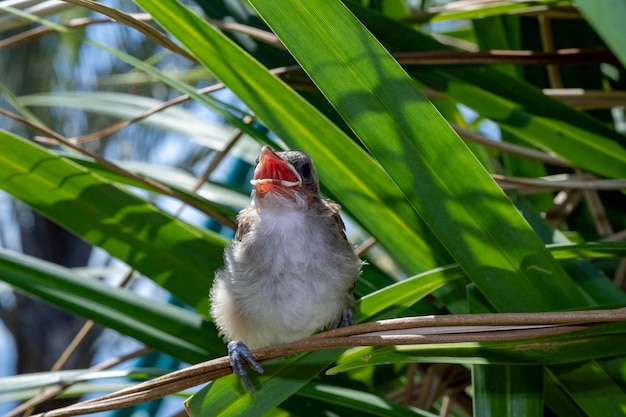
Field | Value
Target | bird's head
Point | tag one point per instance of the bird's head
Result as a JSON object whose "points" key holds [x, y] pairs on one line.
{"points": [[284, 179]]}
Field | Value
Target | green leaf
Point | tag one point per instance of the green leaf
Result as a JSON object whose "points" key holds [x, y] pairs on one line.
{"points": [[588, 250], [441, 179], [359, 401], [183, 334], [514, 104], [591, 388], [504, 390], [558, 400], [606, 18], [215, 198], [362, 186], [176, 255], [599, 288], [391, 300], [18, 387], [498, 32]]}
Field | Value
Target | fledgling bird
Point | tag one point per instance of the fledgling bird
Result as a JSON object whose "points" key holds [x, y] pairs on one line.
{"points": [[290, 270]]}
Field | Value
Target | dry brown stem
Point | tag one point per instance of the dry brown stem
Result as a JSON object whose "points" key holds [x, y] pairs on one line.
{"points": [[404, 331]]}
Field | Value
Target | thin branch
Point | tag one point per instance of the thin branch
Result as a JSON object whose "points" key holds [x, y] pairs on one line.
{"points": [[573, 56], [73, 345], [404, 331], [598, 213], [615, 237], [547, 42], [562, 12], [41, 31], [588, 99], [446, 406], [563, 205], [620, 274], [221, 155], [135, 23], [407, 390], [56, 390], [510, 148], [170, 103], [365, 246], [559, 182], [255, 33]]}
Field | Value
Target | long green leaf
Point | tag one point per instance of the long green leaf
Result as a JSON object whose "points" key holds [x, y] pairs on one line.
{"points": [[591, 387], [363, 187], [516, 105], [359, 401], [506, 390], [599, 288], [124, 106], [558, 400], [174, 330], [588, 250], [17, 384], [215, 198], [389, 301], [176, 255], [606, 17], [441, 178]]}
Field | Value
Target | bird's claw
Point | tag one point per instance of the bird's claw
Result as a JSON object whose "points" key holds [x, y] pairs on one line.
{"points": [[237, 353], [347, 318]]}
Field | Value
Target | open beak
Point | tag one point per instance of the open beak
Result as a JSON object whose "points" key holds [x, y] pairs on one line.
{"points": [[274, 175]]}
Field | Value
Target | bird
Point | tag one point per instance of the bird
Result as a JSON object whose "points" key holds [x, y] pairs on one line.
{"points": [[290, 270]]}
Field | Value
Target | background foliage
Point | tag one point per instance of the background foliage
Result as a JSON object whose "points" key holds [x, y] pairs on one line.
{"points": [[417, 115]]}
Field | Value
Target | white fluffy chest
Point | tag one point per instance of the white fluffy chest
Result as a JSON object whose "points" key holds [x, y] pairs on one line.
{"points": [[283, 252], [286, 239], [283, 283]]}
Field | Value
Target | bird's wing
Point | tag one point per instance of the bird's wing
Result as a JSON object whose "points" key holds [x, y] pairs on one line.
{"points": [[332, 211], [243, 223]]}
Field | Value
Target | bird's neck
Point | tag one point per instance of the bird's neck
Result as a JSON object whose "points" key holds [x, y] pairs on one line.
{"points": [[276, 202]]}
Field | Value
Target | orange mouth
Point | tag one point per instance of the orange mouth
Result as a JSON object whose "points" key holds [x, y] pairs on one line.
{"points": [[275, 175]]}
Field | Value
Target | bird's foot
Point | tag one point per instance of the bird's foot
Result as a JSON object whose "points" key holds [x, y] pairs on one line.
{"points": [[347, 318], [238, 352]]}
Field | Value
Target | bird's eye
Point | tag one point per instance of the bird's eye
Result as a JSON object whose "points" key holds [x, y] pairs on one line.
{"points": [[305, 170]]}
